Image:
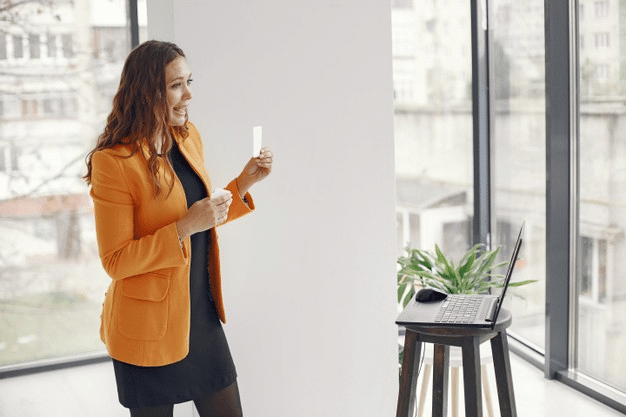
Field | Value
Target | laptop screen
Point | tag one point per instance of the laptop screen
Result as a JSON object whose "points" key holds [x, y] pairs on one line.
{"points": [[509, 272]]}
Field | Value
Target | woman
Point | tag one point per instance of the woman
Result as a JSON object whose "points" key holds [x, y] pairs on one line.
{"points": [[155, 222]]}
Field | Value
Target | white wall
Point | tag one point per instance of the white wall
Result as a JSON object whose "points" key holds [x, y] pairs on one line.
{"points": [[310, 277]]}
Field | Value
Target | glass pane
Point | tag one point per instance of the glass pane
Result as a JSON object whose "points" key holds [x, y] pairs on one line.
{"points": [[601, 245], [56, 95], [432, 72], [142, 17], [517, 57]]}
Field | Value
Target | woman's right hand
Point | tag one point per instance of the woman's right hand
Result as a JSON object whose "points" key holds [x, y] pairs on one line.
{"points": [[204, 214]]}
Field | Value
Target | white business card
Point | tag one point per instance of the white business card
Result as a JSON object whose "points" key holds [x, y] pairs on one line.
{"points": [[257, 140], [218, 192]]}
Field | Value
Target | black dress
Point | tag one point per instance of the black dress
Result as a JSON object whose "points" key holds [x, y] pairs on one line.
{"points": [[208, 367]]}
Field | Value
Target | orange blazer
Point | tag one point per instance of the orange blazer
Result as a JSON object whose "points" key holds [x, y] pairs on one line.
{"points": [[146, 312]]}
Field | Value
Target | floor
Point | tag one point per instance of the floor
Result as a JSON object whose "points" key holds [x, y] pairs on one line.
{"points": [[90, 391], [80, 391]]}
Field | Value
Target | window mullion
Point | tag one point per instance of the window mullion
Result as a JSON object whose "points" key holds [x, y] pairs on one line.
{"points": [[482, 121], [561, 183]]}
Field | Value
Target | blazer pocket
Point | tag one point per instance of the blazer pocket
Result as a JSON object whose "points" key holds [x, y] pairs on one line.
{"points": [[143, 309]]}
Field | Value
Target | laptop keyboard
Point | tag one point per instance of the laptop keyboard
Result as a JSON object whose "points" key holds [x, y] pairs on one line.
{"points": [[459, 309]]}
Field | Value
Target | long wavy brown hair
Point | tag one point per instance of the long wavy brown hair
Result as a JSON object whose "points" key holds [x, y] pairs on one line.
{"points": [[140, 110]]}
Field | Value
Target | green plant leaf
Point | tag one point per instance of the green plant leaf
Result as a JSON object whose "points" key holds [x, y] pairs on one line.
{"points": [[466, 264], [424, 259]]}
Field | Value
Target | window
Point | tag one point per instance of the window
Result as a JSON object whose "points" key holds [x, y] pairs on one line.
{"points": [[431, 25], [3, 162], [503, 15], [3, 46], [59, 106], [432, 79], [602, 72], [18, 46], [11, 107], [601, 8], [9, 159], [600, 261], [34, 46], [586, 254], [519, 146], [49, 106], [52, 46], [601, 39], [70, 105], [30, 108], [67, 45], [572, 202]]}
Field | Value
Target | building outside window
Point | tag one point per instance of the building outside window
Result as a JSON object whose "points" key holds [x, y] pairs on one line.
{"points": [[600, 326], [433, 124], [517, 53], [51, 281]]}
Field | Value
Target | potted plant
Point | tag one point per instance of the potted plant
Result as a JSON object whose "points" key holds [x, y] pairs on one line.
{"points": [[475, 273]]}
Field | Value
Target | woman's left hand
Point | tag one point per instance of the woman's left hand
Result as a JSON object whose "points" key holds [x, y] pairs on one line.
{"points": [[256, 169]]}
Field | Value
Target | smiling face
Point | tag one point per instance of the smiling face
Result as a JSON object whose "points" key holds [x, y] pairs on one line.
{"points": [[178, 92]]}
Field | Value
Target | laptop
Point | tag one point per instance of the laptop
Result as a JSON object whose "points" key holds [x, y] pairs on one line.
{"points": [[461, 310]]}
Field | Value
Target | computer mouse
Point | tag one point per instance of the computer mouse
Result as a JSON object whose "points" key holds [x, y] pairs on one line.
{"points": [[430, 294]]}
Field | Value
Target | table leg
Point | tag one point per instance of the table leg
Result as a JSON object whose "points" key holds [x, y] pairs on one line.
{"points": [[440, 380], [504, 379], [408, 377], [471, 377]]}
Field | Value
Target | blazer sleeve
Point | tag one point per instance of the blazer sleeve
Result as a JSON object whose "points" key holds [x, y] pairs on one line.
{"points": [[122, 254], [238, 207]]}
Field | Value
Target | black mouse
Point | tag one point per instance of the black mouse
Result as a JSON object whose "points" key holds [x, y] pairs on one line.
{"points": [[430, 294]]}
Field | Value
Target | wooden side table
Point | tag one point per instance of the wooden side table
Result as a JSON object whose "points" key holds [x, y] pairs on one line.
{"points": [[469, 339]]}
